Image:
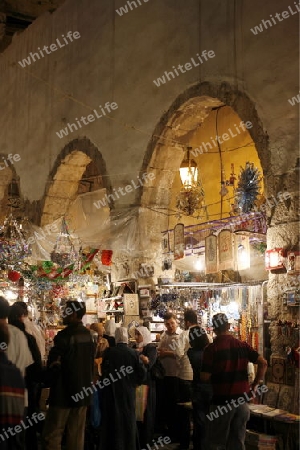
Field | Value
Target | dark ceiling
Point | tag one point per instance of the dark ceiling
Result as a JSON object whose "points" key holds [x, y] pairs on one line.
{"points": [[16, 15]]}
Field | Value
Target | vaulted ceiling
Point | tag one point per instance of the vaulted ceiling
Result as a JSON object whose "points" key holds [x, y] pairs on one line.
{"points": [[16, 15]]}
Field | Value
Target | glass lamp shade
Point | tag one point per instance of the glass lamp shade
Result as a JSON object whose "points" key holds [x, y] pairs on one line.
{"points": [[188, 172]]}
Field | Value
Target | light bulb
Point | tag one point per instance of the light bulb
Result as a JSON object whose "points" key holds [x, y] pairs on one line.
{"points": [[199, 263], [10, 295]]}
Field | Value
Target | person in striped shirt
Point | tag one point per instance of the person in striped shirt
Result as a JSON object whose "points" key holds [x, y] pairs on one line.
{"points": [[225, 364]]}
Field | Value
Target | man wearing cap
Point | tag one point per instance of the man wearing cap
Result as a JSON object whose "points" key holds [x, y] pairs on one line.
{"points": [[225, 364]]}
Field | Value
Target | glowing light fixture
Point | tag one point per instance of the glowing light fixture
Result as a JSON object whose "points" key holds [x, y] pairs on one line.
{"points": [[275, 258], [191, 195], [10, 295], [188, 171], [243, 257], [200, 263]]}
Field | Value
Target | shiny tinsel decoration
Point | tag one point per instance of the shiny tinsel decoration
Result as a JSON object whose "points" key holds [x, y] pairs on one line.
{"points": [[161, 311], [248, 188], [155, 302], [189, 200], [64, 252], [13, 247]]}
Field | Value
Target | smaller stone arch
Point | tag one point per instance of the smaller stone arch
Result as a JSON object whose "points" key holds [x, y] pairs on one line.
{"points": [[9, 181], [66, 175]]}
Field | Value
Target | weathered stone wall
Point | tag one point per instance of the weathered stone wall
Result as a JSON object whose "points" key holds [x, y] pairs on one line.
{"points": [[283, 232], [117, 59]]}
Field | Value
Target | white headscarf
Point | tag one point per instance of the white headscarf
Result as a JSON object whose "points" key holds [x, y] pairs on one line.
{"points": [[110, 327], [146, 336], [121, 335]]}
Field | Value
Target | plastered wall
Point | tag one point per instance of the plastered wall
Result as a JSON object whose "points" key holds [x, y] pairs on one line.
{"points": [[117, 58]]}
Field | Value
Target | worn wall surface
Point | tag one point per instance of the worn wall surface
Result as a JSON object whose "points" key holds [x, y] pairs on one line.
{"points": [[117, 59]]}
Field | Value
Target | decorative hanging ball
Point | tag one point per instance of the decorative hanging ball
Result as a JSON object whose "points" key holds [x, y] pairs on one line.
{"points": [[106, 257], [13, 275], [248, 188]]}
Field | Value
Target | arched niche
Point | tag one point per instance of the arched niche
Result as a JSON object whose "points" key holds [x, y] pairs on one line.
{"points": [[9, 191], [79, 168], [179, 127]]}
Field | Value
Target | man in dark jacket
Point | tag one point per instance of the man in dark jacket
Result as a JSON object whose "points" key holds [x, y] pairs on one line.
{"points": [[123, 371], [71, 363]]}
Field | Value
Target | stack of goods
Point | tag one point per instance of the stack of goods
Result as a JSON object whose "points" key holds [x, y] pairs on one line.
{"points": [[260, 441]]}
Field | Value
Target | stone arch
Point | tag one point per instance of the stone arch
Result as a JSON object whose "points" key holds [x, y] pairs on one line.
{"points": [[224, 93], [8, 178], [66, 175], [164, 154]]}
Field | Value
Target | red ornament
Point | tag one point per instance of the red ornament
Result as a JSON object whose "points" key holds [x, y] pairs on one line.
{"points": [[13, 275], [106, 256]]}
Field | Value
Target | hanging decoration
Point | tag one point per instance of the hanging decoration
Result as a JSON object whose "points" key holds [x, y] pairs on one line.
{"points": [[106, 257], [189, 200], [179, 241], [211, 254], [13, 276], [64, 252], [225, 183], [50, 271], [248, 188], [225, 248], [13, 247]]}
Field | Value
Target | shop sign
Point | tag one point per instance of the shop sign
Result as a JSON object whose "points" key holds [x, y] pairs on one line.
{"points": [[131, 304], [211, 254], [225, 250], [179, 241]]}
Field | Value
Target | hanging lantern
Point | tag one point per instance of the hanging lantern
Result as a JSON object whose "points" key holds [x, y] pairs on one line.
{"points": [[188, 171], [275, 258], [191, 195], [64, 252]]}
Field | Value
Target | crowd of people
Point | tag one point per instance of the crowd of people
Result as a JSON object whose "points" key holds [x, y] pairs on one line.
{"points": [[107, 392]]}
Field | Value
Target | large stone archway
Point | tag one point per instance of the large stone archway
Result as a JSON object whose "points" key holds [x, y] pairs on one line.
{"points": [[66, 175], [165, 150]]}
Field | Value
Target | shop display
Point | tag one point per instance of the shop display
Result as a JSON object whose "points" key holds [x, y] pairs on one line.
{"points": [[240, 302]]}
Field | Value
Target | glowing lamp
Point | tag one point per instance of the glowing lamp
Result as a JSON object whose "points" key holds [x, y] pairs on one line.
{"points": [[188, 171], [200, 263], [274, 259]]}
